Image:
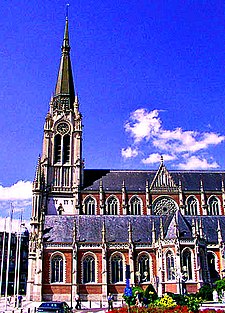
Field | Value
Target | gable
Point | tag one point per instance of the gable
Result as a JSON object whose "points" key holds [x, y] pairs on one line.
{"points": [[163, 181]]}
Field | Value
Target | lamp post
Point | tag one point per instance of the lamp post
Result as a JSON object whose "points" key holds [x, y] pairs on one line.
{"points": [[138, 275], [176, 274]]}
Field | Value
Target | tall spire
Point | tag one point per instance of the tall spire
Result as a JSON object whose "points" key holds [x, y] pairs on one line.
{"points": [[64, 92]]}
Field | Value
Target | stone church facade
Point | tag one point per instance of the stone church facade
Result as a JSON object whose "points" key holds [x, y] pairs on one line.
{"points": [[88, 225]]}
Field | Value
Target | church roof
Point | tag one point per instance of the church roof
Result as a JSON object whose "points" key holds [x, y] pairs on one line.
{"points": [[177, 225], [135, 180], [59, 228]]}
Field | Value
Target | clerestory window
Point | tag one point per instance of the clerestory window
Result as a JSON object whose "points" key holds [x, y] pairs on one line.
{"points": [[135, 206], [213, 206], [112, 206], [89, 206], [192, 206]]}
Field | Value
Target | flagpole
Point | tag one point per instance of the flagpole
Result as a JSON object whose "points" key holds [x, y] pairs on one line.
{"points": [[3, 257], [19, 256], [16, 266], [8, 255]]}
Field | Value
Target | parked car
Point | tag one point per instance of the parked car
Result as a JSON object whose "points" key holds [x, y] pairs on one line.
{"points": [[54, 307]]}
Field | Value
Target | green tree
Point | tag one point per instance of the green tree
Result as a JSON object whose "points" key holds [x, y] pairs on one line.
{"points": [[150, 294], [220, 286]]}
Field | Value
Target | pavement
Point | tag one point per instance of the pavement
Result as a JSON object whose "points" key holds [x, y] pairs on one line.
{"points": [[213, 305], [31, 307], [86, 307]]}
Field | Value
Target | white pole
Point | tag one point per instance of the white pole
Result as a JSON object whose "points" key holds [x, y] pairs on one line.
{"points": [[16, 268], [18, 271], [8, 256], [3, 257]]}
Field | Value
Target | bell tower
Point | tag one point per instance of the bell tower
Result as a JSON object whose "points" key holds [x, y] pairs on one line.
{"points": [[59, 172], [62, 144]]}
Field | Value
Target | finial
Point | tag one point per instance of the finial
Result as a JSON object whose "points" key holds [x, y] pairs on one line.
{"points": [[162, 159], [67, 10], [66, 46]]}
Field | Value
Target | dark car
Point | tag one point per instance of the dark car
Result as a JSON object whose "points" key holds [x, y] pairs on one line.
{"points": [[54, 307]]}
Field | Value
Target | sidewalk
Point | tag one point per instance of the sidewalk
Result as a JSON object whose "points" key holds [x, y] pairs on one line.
{"points": [[30, 306], [213, 305]]}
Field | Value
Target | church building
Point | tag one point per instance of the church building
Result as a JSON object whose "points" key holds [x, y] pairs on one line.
{"points": [[88, 226]]}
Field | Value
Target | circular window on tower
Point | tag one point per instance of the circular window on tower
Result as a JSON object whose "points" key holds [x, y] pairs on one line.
{"points": [[164, 205], [63, 128]]}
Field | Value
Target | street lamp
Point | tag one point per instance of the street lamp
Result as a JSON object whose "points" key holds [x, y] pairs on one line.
{"points": [[138, 275]]}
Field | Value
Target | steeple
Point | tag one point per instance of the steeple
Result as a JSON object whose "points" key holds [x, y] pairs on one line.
{"points": [[64, 95]]}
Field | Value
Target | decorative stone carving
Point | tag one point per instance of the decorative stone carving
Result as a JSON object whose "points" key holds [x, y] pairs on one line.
{"points": [[164, 206]]}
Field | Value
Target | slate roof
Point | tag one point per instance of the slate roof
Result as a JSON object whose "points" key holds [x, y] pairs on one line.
{"points": [[184, 226], [210, 225], [59, 228], [135, 180]]}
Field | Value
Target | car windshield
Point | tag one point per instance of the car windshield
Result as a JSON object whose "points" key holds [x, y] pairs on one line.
{"points": [[51, 305]]}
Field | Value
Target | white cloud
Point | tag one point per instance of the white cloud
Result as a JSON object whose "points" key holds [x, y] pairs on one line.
{"points": [[143, 124], [180, 141], [20, 191], [16, 197], [194, 162], [151, 139], [156, 157], [15, 225], [129, 153]]}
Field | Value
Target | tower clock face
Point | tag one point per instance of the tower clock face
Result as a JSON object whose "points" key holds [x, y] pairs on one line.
{"points": [[63, 128]]}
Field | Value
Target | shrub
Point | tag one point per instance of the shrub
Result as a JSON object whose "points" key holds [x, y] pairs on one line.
{"points": [[179, 299], [166, 302], [130, 300], [193, 303], [150, 294], [220, 286], [206, 292]]}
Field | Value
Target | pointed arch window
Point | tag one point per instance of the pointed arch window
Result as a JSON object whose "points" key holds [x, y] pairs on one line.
{"points": [[202, 270], [89, 269], [57, 269], [212, 261], [170, 270], [144, 268], [89, 206], [62, 143], [58, 148], [213, 206], [116, 269], [192, 206], [135, 206], [187, 264], [112, 206], [66, 149]]}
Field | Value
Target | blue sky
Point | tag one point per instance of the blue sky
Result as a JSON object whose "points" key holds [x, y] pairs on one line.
{"points": [[149, 74]]}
